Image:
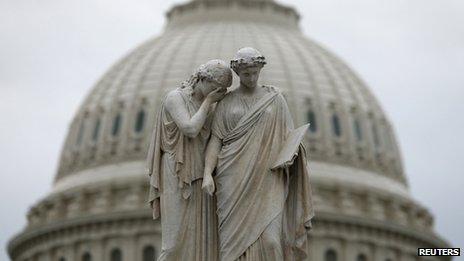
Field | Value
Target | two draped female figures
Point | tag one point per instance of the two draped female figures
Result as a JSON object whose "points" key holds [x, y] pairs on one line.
{"points": [[249, 209]]}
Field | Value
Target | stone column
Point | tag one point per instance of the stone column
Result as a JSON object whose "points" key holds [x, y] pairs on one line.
{"points": [[130, 248], [98, 250], [102, 200], [75, 206], [376, 208], [347, 204]]}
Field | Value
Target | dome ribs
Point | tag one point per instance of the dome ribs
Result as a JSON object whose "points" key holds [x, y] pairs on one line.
{"points": [[311, 77], [290, 88]]}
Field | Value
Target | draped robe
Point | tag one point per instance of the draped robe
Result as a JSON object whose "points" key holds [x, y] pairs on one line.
{"points": [[263, 214], [175, 167]]}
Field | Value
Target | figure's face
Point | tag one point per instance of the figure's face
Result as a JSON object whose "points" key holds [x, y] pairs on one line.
{"points": [[249, 76]]}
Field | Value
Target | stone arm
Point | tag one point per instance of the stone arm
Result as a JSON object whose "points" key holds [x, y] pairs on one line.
{"points": [[176, 107], [212, 151]]}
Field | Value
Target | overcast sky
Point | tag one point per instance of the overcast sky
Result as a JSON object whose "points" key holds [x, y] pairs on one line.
{"points": [[410, 52]]}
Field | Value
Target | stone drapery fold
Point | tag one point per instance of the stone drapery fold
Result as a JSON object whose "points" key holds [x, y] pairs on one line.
{"points": [[251, 196], [175, 168]]}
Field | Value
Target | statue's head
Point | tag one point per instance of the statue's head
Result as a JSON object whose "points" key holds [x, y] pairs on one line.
{"points": [[210, 76], [247, 64]]}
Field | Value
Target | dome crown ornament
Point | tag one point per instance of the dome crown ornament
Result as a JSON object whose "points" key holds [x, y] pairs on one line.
{"points": [[201, 11]]}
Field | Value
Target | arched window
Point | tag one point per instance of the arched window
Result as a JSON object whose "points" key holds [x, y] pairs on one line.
{"points": [[336, 127], [361, 257], [140, 121], [149, 253], [116, 255], [116, 125], [96, 130], [357, 130], [80, 133], [86, 257], [330, 255], [312, 121]]}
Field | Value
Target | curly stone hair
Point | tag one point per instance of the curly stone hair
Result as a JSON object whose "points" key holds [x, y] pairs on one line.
{"points": [[214, 70], [247, 57]]}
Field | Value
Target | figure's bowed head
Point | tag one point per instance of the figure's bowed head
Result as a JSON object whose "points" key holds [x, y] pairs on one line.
{"points": [[247, 64], [212, 80], [206, 86]]}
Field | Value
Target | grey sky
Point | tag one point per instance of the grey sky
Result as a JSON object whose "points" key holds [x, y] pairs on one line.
{"points": [[410, 52]]}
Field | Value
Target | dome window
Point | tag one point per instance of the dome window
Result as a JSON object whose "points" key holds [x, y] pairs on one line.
{"points": [[86, 257], [312, 121], [336, 127], [357, 130], [140, 121], [149, 253], [96, 130], [116, 125], [330, 255], [361, 257], [116, 255]]}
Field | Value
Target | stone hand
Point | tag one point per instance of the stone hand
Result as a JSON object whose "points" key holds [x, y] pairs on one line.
{"points": [[216, 95], [208, 184]]}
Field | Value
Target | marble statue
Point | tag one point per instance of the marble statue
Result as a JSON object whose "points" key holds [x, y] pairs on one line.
{"points": [[176, 165], [264, 211], [230, 183]]}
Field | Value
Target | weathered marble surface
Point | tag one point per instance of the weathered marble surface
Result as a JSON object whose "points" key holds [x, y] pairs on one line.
{"points": [[176, 163], [263, 214], [254, 210]]}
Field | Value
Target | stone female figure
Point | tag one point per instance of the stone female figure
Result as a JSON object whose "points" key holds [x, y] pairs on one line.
{"points": [[263, 214], [176, 165]]}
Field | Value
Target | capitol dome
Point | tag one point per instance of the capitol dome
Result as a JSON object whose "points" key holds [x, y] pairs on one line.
{"points": [[97, 208]]}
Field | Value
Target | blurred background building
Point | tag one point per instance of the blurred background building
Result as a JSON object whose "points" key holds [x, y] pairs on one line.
{"points": [[97, 209]]}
